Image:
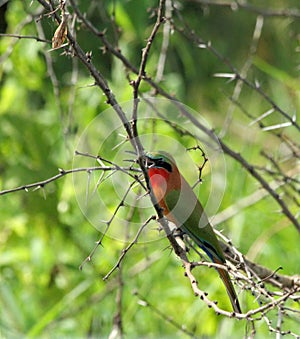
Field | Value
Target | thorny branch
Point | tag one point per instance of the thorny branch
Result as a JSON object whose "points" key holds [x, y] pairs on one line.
{"points": [[108, 224], [236, 75], [62, 173], [142, 69], [126, 249], [265, 12], [186, 31]]}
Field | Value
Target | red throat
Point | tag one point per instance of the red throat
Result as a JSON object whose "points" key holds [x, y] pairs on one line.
{"points": [[158, 176], [159, 181]]}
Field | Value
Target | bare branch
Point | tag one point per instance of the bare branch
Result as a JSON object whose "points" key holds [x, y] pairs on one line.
{"points": [[62, 173], [108, 223], [142, 69], [265, 12], [19, 36], [126, 249], [201, 43]]}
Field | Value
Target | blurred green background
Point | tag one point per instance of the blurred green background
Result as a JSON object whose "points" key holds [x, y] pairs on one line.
{"points": [[44, 236]]}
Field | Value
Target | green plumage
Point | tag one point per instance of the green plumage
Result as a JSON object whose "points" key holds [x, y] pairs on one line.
{"points": [[190, 215]]}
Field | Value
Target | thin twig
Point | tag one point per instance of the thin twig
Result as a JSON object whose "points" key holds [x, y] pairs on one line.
{"points": [[142, 69], [20, 36], [265, 12], [125, 250], [62, 173], [108, 223]]}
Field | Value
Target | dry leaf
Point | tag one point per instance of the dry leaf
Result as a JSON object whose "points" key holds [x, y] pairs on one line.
{"points": [[60, 34]]}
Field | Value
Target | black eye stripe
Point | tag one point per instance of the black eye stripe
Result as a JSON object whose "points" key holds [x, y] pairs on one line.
{"points": [[163, 164]]}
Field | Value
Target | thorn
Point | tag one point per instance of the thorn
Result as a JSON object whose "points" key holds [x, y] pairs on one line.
{"points": [[88, 56], [130, 160], [131, 152]]}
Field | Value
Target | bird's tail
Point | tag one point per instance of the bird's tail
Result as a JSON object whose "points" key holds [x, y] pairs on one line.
{"points": [[229, 287]]}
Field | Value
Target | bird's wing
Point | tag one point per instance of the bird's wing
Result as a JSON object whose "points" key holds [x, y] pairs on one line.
{"points": [[191, 218]]}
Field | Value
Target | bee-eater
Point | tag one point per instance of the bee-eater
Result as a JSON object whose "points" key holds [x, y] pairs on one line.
{"points": [[181, 206]]}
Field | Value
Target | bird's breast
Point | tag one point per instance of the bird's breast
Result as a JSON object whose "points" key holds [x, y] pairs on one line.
{"points": [[158, 178]]}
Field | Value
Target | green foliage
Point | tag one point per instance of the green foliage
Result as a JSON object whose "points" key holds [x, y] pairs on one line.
{"points": [[44, 234]]}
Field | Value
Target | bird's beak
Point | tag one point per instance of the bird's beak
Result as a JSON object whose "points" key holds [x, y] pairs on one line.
{"points": [[148, 162]]}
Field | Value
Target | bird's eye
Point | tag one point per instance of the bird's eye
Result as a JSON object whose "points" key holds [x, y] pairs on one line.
{"points": [[163, 164]]}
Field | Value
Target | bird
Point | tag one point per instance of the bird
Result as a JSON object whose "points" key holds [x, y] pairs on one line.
{"points": [[181, 207]]}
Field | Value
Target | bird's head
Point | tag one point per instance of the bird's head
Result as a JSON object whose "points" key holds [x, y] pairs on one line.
{"points": [[162, 169], [161, 160]]}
